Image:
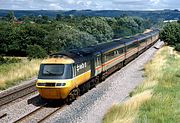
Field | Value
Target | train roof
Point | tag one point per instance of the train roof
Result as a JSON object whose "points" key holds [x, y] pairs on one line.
{"points": [[143, 36], [128, 40], [84, 54]]}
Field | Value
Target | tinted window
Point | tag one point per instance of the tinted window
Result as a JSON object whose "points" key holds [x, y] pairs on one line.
{"points": [[55, 71]]}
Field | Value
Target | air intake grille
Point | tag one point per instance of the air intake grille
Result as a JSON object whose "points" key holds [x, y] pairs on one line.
{"points": [[46, 84], [50, 84]]}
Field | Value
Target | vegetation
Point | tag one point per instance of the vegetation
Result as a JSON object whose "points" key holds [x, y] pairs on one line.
{"points": [[156, 100], [177, 47], [171, 34], [14, 72], [9, 60], [154, 16], [97, 27], [35, 51], [22, 36]]}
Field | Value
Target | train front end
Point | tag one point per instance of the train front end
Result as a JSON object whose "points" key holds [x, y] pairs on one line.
{"points": [[55, 78]]}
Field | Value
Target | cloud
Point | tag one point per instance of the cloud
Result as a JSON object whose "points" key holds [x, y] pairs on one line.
{"points": [[70, 1], [54, 6], [90, 4], [130, 2]]}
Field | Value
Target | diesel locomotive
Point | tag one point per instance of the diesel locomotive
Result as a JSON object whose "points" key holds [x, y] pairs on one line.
{"points": [[66, 75]]}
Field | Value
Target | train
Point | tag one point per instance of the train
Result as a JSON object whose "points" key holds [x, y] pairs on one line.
{"points": [[66, 75]]}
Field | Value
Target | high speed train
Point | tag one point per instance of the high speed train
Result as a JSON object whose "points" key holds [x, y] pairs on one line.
{"points": [[66, 75]]}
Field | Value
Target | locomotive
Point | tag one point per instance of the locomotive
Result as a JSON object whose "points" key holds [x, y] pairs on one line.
{"points": [[66, 75]]}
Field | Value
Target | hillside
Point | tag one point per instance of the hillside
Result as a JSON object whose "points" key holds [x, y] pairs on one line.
{"points": [[153, 15]]}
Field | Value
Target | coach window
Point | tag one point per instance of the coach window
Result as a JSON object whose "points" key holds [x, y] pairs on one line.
{"points": [[142, 41], [116, 53], [120, 51], [98, 61]]}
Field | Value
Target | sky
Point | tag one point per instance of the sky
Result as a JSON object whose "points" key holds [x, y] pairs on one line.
{"points": [[89, 4]]}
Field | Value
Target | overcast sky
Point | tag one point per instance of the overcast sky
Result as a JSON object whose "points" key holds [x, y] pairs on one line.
{"points": [[89, 4]]}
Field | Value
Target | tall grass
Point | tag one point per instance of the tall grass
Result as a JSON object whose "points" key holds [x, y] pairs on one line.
{"points": [[12, 74], [163, 86], [126, 112], [164, 106]]}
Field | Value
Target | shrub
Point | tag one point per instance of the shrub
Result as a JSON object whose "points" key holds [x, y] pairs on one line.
{"points": [[177, 47], [35, 51], [97, 27], [171, 33], [4, 60]]}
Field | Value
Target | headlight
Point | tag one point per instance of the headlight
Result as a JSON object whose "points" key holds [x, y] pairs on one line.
{"points": [[60, 84]]}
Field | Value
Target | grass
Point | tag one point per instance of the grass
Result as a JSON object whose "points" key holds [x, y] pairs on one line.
{"points": [[157, 99], [126, 112], [12, 74]]}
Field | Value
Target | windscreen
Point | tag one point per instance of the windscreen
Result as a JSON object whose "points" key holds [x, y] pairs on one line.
{"points": [[55, 71]]}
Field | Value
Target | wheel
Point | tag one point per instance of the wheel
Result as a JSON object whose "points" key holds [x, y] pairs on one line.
{"points": [[72, 96]]}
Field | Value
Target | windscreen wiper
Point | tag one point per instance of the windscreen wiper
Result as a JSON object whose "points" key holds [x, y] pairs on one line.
{"points": [[50, 73], [53, 73]]}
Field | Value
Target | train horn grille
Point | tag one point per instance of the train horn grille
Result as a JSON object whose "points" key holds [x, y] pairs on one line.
{"points": [[50, 84]]}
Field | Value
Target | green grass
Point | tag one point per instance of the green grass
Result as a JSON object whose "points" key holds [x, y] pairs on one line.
{"points": [[13, 73], [161, 104], [164, 106]]}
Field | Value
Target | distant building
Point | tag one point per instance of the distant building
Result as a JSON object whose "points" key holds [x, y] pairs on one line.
{"points": [[170, 21]]}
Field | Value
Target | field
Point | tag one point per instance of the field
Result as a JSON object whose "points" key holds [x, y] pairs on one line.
{"points": [[156, 100], [13, 73]]}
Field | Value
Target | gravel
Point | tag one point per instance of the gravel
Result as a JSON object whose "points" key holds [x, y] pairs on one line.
{"points": [[91, 107], [17, 93], [19, 109]]}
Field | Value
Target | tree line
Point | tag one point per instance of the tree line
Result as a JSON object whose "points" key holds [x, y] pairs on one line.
{"points": [[38, 36], [171, 34]]}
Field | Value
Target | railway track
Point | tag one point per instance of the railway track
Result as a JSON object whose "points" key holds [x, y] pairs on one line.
{"points": [[17, 92], [39, 115]]}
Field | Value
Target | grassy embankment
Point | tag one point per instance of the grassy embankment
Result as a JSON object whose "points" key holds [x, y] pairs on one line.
{"points": [[157, 99], [12, 73]]}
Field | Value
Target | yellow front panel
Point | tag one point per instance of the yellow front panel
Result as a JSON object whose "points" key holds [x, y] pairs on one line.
{"points": [[61, 92], [80, 79], [55, 92], [64, 60]]}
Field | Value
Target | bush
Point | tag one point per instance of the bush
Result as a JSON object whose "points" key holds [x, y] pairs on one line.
{"points": [[67, 37], [9, 60], [97, 27], [171, 34], [177, 47], [35, 51]]}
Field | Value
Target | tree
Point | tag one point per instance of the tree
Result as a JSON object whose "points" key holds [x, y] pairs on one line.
{"points": [[126, 26], [14, 39], [171, 33], [5, 33], [35, 51], [98, 27], [10, 16], [59, 17], [66, 37]]}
